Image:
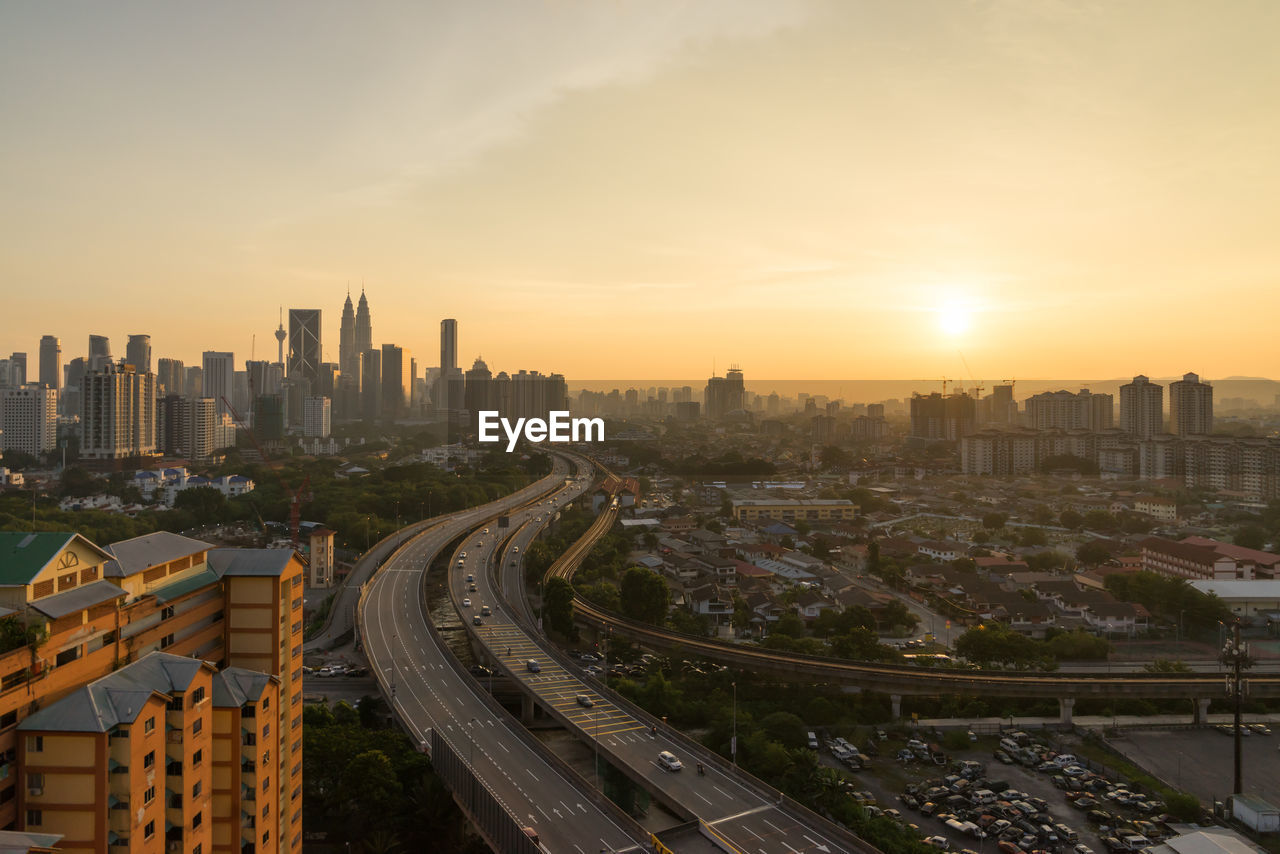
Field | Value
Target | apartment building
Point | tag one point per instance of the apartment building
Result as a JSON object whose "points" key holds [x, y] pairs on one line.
{"points": [[812, 509], [94, 610]]}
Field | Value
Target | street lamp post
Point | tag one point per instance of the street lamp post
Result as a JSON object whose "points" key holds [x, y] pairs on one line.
{"points": [[1235, 655], [733, 739]]}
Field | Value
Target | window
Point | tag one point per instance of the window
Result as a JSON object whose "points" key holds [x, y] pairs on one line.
{"points": [[35, 780], [35, 744], [34, 818], [149, 761], [150, 725], [195, 850], [195, 789], [266, 703], [195, 821], [196, 757], [166, 612], [197, 696], [166, 641], [150, 830], [67, 656], [109, 638], [8, 719], [266, 810], [266, 730], [197, 726], [266, 757], [266, 784], [149, 795], [266, 834]]}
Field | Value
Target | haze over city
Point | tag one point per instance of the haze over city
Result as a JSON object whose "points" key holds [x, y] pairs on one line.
{"points": [[811, 189]]}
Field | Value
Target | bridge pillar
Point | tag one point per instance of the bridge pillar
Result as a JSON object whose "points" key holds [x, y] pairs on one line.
{"points": [[1065, 705], [1202, 710], [526, 709], [896, 700]]}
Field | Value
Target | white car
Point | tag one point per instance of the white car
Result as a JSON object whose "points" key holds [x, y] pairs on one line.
{"points": [[668, 760], [938, 842], [466, 603]]}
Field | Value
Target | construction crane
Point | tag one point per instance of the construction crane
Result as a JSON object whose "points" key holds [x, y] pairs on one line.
{"points": [[976, 386], [943, 380], [295, 496]]}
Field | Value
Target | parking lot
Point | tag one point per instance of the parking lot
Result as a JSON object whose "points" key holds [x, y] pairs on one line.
{"points": [[1201, 761], [886, 778]]}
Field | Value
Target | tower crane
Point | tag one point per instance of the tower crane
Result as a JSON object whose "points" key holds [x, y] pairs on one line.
{"points": [[943, 380]]}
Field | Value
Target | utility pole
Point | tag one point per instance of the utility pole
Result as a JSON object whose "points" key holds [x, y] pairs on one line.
{"points": [[1235, 655]]}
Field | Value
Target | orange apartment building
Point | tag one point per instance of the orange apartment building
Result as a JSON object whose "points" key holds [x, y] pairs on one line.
{"points": [[91, 611]]}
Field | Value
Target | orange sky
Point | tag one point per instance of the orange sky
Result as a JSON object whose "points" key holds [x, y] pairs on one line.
{"points": [[637, 189]]}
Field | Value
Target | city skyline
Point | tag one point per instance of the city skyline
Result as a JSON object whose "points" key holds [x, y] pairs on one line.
{"points": [[806, 188]]}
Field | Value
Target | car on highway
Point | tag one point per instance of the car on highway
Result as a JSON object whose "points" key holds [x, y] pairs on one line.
{"points": [[471, 588], [668, 761], [485, 611], [466, 603], [585, 701], [476, 620], [485, 531], [471, 579], [533, 666], [1260, 729], [462, 554]]}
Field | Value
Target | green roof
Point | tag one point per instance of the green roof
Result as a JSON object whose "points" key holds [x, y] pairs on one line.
{"points": [[186, 585], [24, 554]]}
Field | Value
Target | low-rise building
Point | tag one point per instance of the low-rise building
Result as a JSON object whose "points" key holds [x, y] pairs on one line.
{"points": [[793, 510]]}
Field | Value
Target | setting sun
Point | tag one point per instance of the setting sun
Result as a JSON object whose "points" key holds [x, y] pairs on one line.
{"points": [[954, 317]]}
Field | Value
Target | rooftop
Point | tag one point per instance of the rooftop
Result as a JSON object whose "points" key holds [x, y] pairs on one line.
{"points": [[24, 554], [142, 553], [117, 698]]}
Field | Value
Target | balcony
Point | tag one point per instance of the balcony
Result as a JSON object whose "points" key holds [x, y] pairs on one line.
{"points": [[174, 736], [248, 766]]}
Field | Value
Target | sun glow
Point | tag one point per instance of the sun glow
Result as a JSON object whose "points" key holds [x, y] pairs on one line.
{"points": [[955, 317]]}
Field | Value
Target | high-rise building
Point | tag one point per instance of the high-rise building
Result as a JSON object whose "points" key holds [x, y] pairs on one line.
{"points": [[19, 363], [99, 352], [304, 345], [11, 374], [218, 377], [371, 382], [136, 646], [724, 394], [281, 335], [72, 385], [137, 352], [171, 376], [395, 381], [348, 355], [364, 325], [29, 419], [448, 344], [51, 361], [1142, 408], [193, 386], [947, 418], [1066, 411], [478, 395], [1190, 407], [315, 418], [119, 413], [189, 426]]}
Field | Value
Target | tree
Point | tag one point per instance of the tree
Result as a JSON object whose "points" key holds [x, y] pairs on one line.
{"points": [[644, 595], [204, 502], [994, 521], [1093, 553], [785, 728], [1033, 537], [1071, 519], [557, 607], [790, 625], [1100, 520], [1183, 806], [834, 457], [1042, 515], [370, 788], [1250, 536]]}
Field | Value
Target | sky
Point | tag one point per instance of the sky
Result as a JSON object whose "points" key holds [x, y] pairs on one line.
{"points": [[654, 188]]}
